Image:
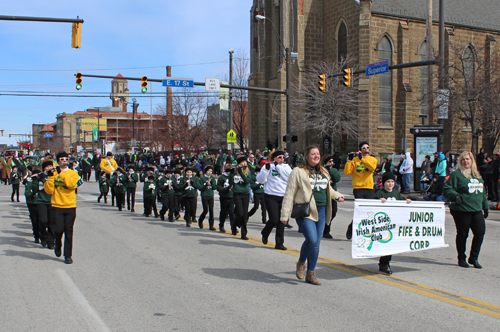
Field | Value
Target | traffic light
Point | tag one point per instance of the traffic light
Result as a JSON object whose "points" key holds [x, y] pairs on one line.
{"points": [[322, 82], [348, 77], [78, 81], [2, 132], [144, 84], [29, 136], [76, 35], [10, 135]]}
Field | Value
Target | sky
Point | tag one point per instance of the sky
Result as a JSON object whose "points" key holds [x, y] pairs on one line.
{"points": [[133, 38]]}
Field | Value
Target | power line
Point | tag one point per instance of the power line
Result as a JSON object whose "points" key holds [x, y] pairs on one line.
{"points": [[104, 69]]}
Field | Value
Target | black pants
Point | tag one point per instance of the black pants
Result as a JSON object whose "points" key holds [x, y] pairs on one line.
{"points": [[273, 206], [150, 205], [96, 175], [360, 194], [130, 195], [259, 199], [334, 214], [463, 222], [168, 203], [119, 200], [35, 225], [46, 223], [105, 195], [226, 208], [189, 209], [208, 207], [64, 220], [177, 205], [86, 176], [241, 202], [113, 195], [15, 191]]}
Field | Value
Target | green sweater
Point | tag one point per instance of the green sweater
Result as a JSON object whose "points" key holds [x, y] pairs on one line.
{"points": [[15, 178], [150, 189], [335, 176], [41, 196], [240, 183], [224, 187], [189, 190], [118, 182], [103, 185], [207, 190], [257, 188], [132, 179], [471, 191], [393, 195], [166, 187], [30, 191]]}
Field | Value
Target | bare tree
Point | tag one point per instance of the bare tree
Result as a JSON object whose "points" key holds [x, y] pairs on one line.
{"points": [[240, 99], [475, 92], [330, 113]]}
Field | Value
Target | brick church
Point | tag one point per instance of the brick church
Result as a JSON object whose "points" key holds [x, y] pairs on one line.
{"points": [[369, 31]]}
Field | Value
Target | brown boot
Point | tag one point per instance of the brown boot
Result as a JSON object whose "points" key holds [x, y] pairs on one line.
{"points": [[311, 278], [301, 267]]}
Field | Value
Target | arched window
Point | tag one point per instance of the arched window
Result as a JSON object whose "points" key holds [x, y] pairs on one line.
{"points": [[423, 86], [385, 85], [342, 42], [469, 63]]}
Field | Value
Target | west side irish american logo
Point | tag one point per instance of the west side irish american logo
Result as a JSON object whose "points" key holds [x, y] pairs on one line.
{"points": [[375, 228]]}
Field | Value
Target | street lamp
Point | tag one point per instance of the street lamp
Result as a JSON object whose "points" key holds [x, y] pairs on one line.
{"points": [[134, 106], [287, 78]]}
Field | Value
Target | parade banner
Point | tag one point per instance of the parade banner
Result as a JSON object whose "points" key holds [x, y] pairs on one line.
{"points": [[393, 227]]}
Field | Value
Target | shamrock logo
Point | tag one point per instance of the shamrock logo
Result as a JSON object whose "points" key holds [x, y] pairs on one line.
{"points": [[475, 186]]}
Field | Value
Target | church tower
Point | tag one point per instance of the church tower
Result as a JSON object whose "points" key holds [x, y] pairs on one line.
{"points": [[119, 92]]}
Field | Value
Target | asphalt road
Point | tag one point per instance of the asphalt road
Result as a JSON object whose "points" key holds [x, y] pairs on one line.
{"points": [[132, 273]]}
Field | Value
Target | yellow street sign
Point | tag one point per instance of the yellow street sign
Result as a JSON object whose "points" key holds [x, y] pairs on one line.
{"points": [[231, 136]]}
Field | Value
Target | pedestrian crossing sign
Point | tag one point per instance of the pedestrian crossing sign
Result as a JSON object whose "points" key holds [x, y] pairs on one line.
{"points": [[231, 136]]}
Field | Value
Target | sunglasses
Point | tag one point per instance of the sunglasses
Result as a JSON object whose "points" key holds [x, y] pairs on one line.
{"points": [[280, 157], [64, 158], [365, 147]]}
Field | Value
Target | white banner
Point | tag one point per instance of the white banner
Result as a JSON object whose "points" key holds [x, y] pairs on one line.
{"points": [[381, 229]]}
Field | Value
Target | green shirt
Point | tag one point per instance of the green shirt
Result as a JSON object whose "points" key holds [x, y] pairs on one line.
{"points": [[41, 196], [471, 191], [103, 184], [240, 182], [257, 188], [207, 187], [166, 186], [224, 187], [335, 176], [393, 195], [319, 187]]}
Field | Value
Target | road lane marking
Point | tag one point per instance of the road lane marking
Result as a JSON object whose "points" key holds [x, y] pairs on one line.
{"points": [[412, 287], [89, 314]]}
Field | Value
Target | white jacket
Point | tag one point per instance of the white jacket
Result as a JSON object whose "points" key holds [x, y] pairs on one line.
{"points": [[407, 166], [274, 179]]}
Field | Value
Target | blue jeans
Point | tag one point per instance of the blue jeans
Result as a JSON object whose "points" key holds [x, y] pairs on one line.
{"points": [[407, 182], [312, 231]]}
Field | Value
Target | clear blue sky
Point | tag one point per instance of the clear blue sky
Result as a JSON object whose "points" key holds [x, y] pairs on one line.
{"points": [[133, 38]]}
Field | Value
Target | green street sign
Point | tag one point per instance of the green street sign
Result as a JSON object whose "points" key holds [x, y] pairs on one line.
{"points": [[94, 134]]}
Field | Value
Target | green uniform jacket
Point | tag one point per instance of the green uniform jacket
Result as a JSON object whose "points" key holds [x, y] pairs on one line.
{"points": [[176, 183], [15, 177], [189, 190], [103, 185], [257, 188], [471, 191], [393, 195], [41, 196], [224, 187], [30, 191], [335, 176], [150, 189], [207, 190], [118, 182], [132, 179], [240, 183], [166, 187]]}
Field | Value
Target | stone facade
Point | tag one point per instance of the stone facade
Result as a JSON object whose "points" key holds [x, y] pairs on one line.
{"points": [[311, 28]]}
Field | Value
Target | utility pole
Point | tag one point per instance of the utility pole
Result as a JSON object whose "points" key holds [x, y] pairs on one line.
{"points": [[288, 111], [430, 56], [441, 64], [231, 115]]}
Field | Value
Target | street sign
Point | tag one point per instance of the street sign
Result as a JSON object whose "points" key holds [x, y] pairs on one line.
{"points": [[48, 135], [377, 68], [231, 136], [212, 84], [178, 82], [94, 134]]}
